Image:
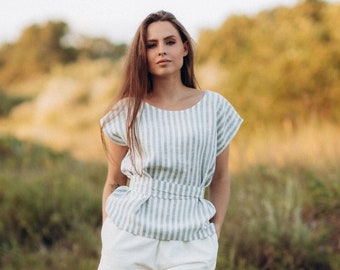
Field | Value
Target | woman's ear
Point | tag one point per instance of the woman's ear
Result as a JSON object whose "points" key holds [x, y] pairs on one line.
{"points": [[186, 48]]}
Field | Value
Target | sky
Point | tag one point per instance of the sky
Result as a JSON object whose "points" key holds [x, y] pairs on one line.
{"points": [[118, 20]]}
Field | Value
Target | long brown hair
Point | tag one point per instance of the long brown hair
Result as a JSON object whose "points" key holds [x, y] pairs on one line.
{"points": [[137, 81]]}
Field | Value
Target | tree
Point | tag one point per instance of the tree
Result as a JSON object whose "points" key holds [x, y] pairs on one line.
{"points": [[282, 64], [37, 50], [95, 48]]}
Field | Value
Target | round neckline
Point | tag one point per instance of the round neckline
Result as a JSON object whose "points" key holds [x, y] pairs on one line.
{"points": [[181, 110]]}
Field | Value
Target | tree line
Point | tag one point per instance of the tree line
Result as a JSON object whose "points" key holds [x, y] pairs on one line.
{"points": [[282, 64], [40, 47], [279, 66]]}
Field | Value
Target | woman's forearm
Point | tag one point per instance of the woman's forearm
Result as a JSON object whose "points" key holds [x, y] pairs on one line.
{"points": [[109, 187], [219, 189], [219, 194], [114, 177], [106, 193]]}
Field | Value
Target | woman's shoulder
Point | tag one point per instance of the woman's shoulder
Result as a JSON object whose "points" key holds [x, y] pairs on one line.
{"points": [[116, 109], [216, 96]]}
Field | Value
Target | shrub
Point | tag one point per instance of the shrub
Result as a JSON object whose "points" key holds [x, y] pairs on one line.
{"points": [[7, 103], [278, 220], [49, 201]]}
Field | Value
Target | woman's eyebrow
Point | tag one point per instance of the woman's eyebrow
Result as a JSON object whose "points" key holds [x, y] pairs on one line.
{"points": [[171, 36], [168, 37]]}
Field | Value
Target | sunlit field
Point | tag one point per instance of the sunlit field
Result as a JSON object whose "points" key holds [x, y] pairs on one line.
{"points": [[284, 210]]}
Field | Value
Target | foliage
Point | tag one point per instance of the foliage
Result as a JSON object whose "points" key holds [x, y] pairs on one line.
{"points": [[279, 218], [285, 61], [41, 47], [282, 218], [96, 48], [38, 48], [8, 102], [50, 203]]}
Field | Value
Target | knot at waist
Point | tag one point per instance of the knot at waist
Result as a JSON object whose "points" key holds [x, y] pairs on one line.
{"points": [[165, 189]]}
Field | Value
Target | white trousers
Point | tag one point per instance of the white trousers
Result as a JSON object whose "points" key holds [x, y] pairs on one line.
{"points": [[124, 251]]}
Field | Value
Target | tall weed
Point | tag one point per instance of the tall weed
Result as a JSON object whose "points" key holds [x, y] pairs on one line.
{"points": [[277, 220], [50, 207], [281, 215]]}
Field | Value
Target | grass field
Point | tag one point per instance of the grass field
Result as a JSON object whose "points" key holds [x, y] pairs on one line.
{"points": [[284, 211]]}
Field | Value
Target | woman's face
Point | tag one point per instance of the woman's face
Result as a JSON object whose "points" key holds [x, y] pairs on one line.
{"points": [[165, 49]]}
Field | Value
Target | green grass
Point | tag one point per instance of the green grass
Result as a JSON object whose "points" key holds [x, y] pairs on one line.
{"points": [[280, 217], [50, 208]]}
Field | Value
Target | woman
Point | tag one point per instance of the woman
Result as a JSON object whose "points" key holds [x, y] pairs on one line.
{"points": [[170, 142]]}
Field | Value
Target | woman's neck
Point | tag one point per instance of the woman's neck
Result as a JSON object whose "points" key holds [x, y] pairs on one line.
{"points": [[168, 89], [171, 94]]}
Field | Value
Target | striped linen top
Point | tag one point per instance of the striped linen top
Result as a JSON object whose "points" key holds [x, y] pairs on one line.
{"points": [[179, 150]]}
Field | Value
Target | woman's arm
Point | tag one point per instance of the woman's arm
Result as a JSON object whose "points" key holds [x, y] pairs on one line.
{"points": [[219, 189], [115, 177]]}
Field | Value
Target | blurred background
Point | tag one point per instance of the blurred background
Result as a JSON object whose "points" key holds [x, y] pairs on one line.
{"points": [[278, 62]]}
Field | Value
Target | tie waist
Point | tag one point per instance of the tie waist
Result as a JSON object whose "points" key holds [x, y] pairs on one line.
{"points": [[165, 189]]}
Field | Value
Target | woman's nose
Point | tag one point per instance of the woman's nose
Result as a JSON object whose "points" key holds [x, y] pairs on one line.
{"points": [[161, 50]]}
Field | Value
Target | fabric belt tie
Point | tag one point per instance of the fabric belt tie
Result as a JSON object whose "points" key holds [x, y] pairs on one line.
{"points": [[164, 189]]}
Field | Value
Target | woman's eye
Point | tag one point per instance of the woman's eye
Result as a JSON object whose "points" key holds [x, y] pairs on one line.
{"points": [[171, 42], [151, 45]]}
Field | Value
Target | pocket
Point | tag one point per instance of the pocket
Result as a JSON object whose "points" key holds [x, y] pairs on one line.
{"points": [[105, 229], [213, 237], [212, 243], [109, 234], [215, 241]]}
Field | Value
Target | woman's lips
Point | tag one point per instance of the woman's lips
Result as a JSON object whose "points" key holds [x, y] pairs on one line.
{"points": [[163, 61]]}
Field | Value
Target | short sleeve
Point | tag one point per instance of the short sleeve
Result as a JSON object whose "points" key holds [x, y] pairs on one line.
{"points": [[228, 123], [114, 124]]}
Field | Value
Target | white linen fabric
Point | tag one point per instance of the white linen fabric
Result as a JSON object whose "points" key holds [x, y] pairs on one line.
{"points": [[165, 197], [124, 251]]}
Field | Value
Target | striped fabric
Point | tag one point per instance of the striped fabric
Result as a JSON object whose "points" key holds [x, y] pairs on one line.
{"points": [[179, 154]]}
